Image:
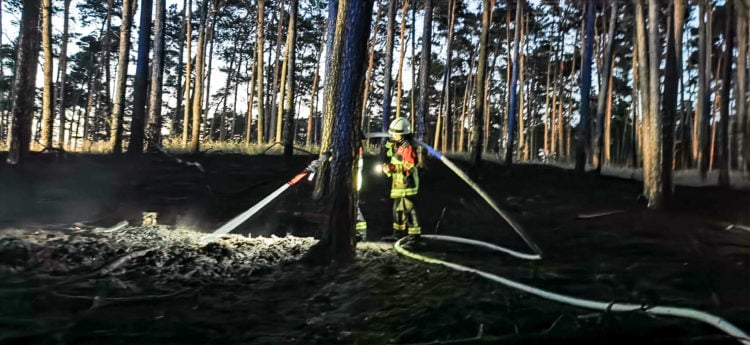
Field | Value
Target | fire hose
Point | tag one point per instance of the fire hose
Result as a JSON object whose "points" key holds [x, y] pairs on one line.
{"points": [[697, 315]]}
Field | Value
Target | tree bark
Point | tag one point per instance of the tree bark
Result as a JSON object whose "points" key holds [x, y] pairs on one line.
{"points": [[357, 17], [180, 60], [140, 86], [669, 103], [583, 124], [424, 77], [275, 127], [259, 74], [652, 172], [704, 91], [521, 92], [513, 86], [725, 89], [388, 71], [157, 75], [187, 111], [48, 99], [331, 105], [291, 57], [282, 88], [24, 81], [200, 55], [250, 97], [62, 71], [743, 131]]}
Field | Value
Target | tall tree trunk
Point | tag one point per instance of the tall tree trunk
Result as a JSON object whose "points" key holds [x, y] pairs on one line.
{"points": [[583, 124], [448, 118], [90, 103], [357, 15], [521, 93], [107, 42], [140, 86], [275, 127], [291, 42], [250, 98], [477, 130], [311, 118], [704, 91], [259, 73], [188, 113], [424, 77], [547, 112], [282, 88], [230, 76], [608, 120], [200, 55], [207, 72], [742, 131], [62, 71], [180, 60], [725, 89], [370, 71], [48, 99], [25, 77], [669, 104], [336, 21], [3, 115], [157, 75], [653, 154], [402, 49], [513, 86], [599, 142], [388, 71]]}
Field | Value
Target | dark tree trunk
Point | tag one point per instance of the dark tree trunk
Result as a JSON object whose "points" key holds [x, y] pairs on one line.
{"points": [[600, 105], [477, 130], [25, 78], [48, 103], [513, 86], [62, 72], [669, 104], [388, 64], [180, 60], [583, 125], [726, 84], [157, 74], [140, 86], [424, 77], [291, 43]]}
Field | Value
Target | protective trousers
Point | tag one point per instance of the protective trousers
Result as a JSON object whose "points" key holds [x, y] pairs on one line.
{"points": [[404, 218]]}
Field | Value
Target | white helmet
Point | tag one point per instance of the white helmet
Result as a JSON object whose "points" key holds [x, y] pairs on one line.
{"points": [[399, 126]]}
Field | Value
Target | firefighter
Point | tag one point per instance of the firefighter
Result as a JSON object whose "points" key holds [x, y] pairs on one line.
{"points": [[402, 170]]}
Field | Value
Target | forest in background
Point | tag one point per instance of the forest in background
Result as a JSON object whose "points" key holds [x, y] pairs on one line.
{"points": [[654, 84]]}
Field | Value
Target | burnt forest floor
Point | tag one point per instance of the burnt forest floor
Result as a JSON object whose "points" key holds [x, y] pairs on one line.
{"points": [[69, 274]]}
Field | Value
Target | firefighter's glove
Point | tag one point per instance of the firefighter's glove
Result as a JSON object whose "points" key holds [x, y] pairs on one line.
{"points": [[388, 169]]}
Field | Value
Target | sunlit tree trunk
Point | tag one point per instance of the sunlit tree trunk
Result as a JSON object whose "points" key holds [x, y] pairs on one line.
{"points": [[725, 89], [512, 111], [62, 71], [402, 48], [200, 55], [157, 75], [48, 102], [283, 80], [275, 127], [140, 86], [447, 127], [582, 134], [599, 140], [521, 93], [25, 77], [547, 112], [291, 57], [187, 112], [608, 120], [653, 154]]}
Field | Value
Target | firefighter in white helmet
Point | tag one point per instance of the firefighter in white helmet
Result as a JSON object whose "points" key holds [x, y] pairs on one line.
{"points": [[402, 169]]}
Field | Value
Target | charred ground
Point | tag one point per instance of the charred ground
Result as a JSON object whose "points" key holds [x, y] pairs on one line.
{"points": [[67, 279]]}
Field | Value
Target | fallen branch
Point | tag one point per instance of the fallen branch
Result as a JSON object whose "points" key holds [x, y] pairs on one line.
{"points": [[122, 299]]}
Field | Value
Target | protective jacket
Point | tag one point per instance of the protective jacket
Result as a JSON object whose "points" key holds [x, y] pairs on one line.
{"points": [[402, 168]]}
